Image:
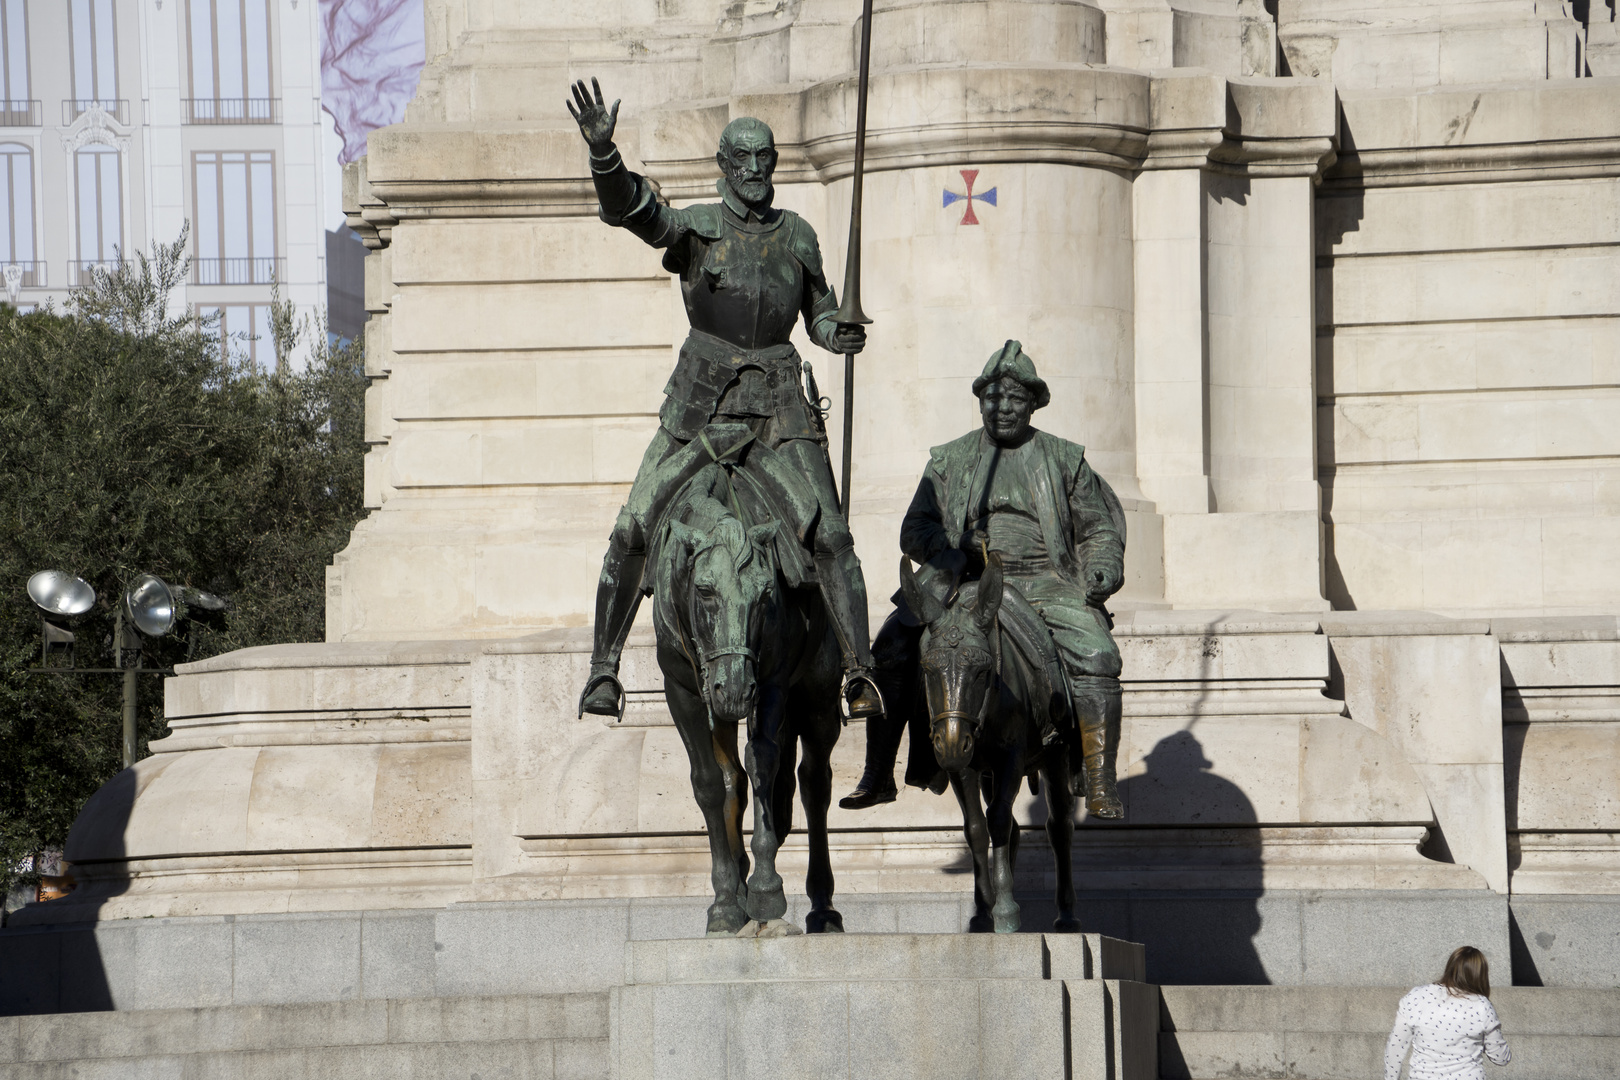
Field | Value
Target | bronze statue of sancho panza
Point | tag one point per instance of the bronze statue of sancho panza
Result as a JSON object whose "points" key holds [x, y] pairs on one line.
{"points": [[748, 271], [1059, 530]]}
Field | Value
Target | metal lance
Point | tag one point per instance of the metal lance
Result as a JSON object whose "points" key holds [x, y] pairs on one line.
{"points": [[850, 312]]}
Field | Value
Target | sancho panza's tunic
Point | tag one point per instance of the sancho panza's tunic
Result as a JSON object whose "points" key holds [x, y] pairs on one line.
{"points": [[1052, 519]]}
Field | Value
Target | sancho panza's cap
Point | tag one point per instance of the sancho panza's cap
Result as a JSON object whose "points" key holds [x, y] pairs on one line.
{"points": [[1011, 362]]}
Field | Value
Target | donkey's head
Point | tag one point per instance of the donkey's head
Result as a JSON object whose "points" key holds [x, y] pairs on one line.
{"points": [[728, 574], [958, 660]]}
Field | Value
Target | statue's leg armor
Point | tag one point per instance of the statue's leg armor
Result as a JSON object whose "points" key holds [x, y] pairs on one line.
{"points": [[843, 587], [895, 653], [618, 590], [1098, 702]]}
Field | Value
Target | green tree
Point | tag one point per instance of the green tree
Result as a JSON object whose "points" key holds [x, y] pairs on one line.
{"points": [[133, 441]]}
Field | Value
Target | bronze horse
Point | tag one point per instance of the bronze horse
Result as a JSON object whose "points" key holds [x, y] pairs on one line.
{"points": [[736, 642], [980, 691]]}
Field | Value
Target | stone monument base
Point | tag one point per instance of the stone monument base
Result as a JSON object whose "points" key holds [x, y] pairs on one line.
{"points": [[879, 1005]]}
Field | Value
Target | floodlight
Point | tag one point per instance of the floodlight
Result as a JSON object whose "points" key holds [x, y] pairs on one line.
{"points": [[150, 605], [61, 594]]}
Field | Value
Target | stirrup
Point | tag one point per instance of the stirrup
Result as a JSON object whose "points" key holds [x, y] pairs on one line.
{"points": [[853, 677], [591, 684]]}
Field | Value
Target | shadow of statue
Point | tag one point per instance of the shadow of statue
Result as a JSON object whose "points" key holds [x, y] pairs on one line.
{"points": [[1190, 823]]}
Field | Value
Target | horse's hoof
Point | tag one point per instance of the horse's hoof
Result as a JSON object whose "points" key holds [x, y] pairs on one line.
{"points": [[769, 928], [1066, 924], [725, 921], [824, 922], [1008, 922], [981, 924]]}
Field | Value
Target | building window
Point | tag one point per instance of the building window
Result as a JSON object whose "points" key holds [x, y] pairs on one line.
{"points": [[229, 42], [17, 202], [16, 110], [244, 332], [235, 194], [95, 58], [98, 182]]}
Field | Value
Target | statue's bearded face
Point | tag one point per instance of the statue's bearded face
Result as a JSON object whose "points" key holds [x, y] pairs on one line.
{"points": [[747, 157], [1006, 406]]}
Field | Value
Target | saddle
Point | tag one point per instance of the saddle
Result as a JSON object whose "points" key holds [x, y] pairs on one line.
{"points": [[727, 462]]}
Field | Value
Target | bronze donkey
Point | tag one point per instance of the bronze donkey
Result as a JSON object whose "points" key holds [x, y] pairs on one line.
{"points": [[982, 698]]}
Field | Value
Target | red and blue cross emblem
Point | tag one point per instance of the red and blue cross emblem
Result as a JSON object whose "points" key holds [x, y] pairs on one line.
{"points": [[987, 197]]}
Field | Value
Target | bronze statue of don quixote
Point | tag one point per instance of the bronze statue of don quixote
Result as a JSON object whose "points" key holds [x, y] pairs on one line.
{"points": [[998, 656]]}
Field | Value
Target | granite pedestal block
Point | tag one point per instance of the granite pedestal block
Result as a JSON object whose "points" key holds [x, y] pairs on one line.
{"points": [[886, 1005]]}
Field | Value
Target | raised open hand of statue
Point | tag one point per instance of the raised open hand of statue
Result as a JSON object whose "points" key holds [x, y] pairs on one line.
{"points": [[596, 121]]}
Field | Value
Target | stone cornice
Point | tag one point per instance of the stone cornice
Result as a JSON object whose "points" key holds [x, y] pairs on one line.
{"points": [[1569, 159], [1064, 114], [1554, 129]]}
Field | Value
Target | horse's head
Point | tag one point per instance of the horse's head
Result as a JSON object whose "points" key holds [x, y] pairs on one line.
{"points": [[729, 571], [958, 660]]}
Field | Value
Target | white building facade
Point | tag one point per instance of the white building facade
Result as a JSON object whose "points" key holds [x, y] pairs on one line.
{"points": [[123, 120]]}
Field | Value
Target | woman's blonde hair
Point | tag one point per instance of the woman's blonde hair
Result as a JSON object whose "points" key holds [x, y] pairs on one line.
{"points": [[1467, 973]]}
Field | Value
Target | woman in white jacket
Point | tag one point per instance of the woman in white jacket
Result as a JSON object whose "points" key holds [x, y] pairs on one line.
{"points": [[1449, 1025]]}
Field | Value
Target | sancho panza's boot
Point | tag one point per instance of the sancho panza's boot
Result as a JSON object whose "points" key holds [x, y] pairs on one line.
{"points": [[618, 595], [1097, 706], [844, 590]]}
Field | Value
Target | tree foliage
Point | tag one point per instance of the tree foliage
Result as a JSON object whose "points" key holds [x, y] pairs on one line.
{"points": [[133, 441]]}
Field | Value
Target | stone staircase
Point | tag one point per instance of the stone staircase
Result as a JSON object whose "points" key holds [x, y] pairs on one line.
{"points": [[1282, 1032], [539, 1037], [1338, 1033]]}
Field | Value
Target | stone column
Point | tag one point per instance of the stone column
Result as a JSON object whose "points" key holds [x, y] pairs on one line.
{"points": [[1226, 337]]}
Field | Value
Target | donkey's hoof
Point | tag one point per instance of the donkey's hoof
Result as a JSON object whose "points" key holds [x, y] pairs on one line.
{"points": [[1066, 924], [824, 922], [725, 921], [981, 924]]}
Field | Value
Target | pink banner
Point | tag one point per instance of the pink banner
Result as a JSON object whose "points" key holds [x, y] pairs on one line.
{"points": [[372, 52]]}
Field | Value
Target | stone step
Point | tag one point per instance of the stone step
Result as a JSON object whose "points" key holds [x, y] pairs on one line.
{"points": [[865, 957], [1338, 1033], [552, 1036]]}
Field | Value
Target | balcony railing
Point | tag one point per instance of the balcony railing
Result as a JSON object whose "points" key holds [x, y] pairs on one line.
{"points": [[230, 110], [117, 108], [80, 271], [15, 112], [33, 274], [256, 271]]}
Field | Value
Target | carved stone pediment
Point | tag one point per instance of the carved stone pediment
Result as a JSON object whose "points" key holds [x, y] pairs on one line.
{"points": [[94, 127]]}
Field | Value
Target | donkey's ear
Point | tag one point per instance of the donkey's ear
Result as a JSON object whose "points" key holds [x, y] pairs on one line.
{"points": [[988, 602], [686, 536], [919, 600], [760, 536]]}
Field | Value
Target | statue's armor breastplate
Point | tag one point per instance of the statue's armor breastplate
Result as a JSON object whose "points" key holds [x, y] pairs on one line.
{"points": [[747, 288]]}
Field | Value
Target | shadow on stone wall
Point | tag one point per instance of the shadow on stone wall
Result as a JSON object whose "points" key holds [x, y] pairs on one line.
{"points": [[50, 955], [1193, 936]]}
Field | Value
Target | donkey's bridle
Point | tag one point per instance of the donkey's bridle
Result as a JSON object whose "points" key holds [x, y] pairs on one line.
{"points": [[953, 641]]}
